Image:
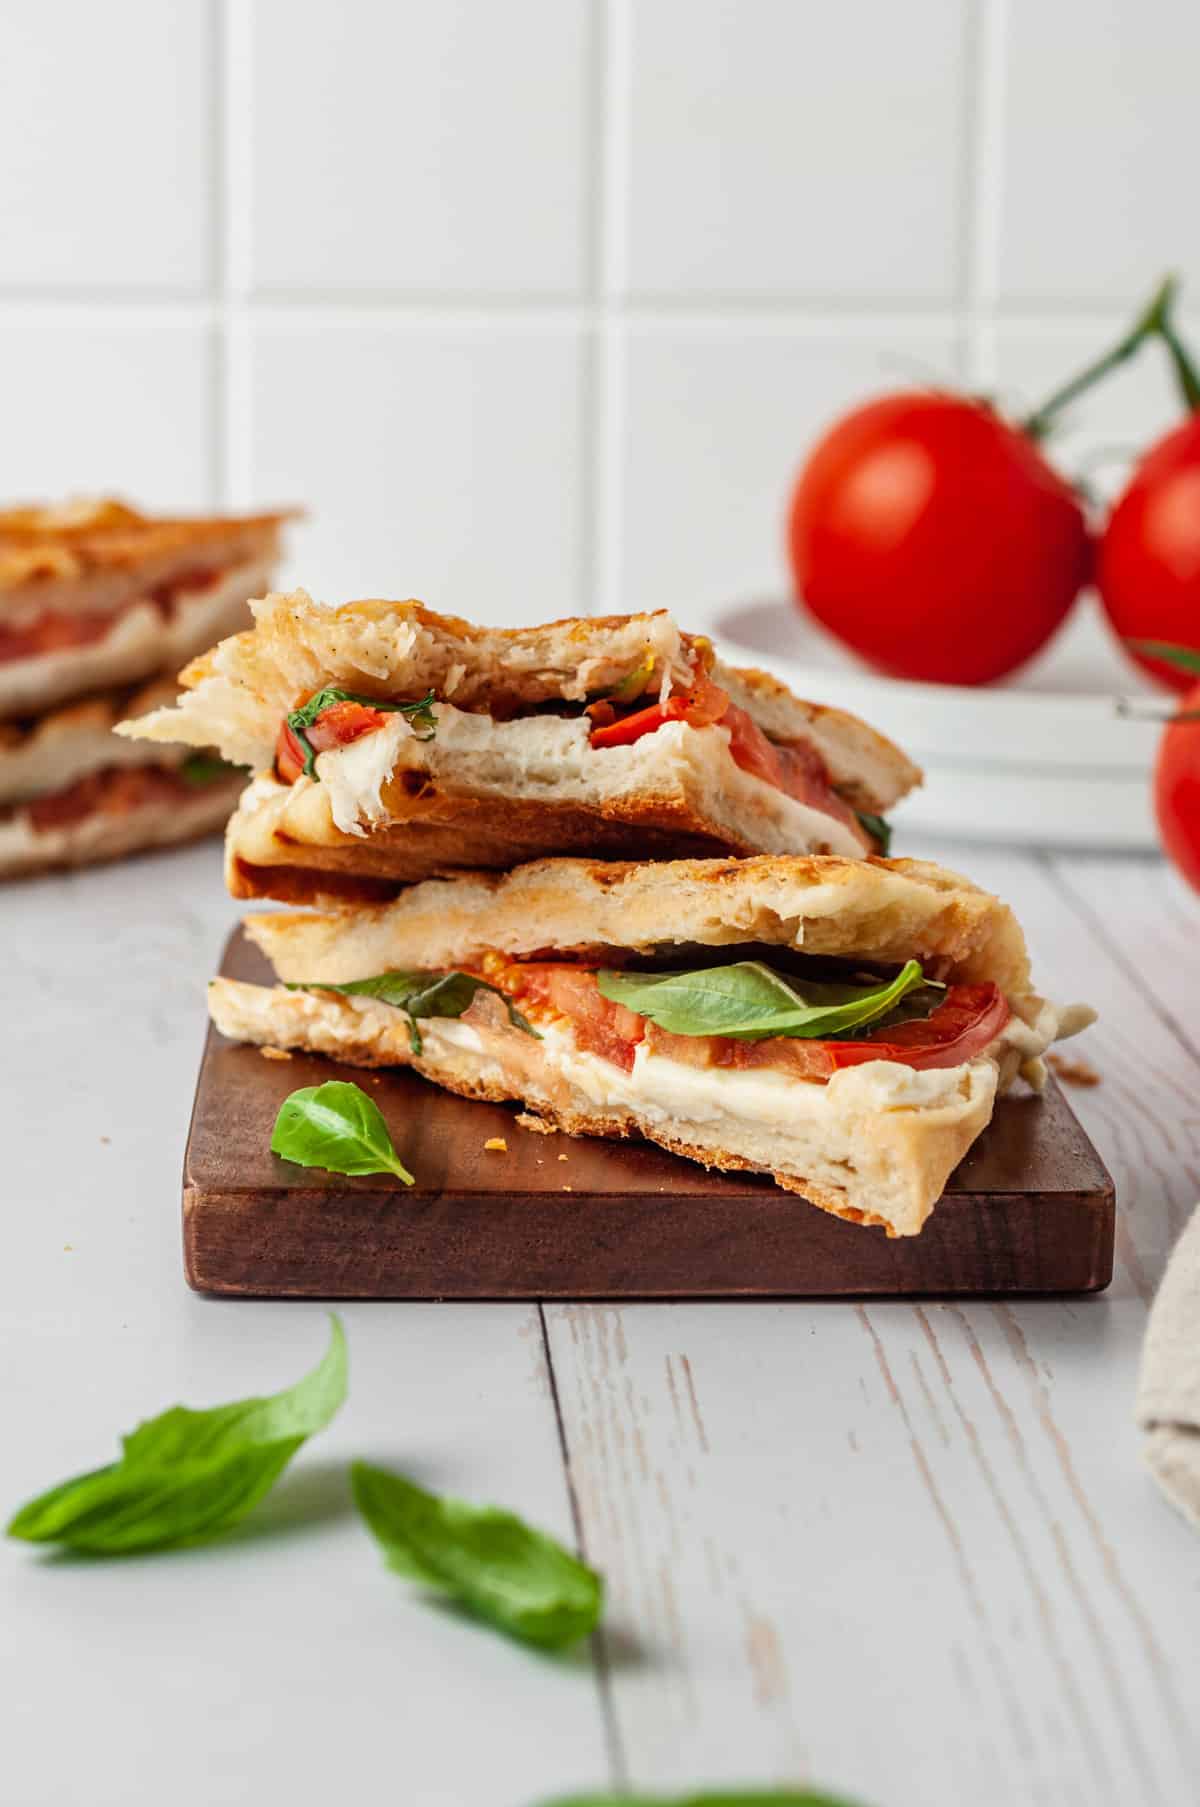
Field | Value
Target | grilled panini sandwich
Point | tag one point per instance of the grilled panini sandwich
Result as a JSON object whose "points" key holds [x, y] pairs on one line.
{"points": [[71, 793], [841, 1024], [392, 744], [94, 595]]}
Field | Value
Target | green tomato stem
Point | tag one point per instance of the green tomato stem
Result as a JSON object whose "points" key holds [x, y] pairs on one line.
{"points": [[1154, 320], [1185, 371]]}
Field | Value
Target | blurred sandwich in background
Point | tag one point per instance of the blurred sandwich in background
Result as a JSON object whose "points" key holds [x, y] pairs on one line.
{"points": [[72, 793], [98, 603]]}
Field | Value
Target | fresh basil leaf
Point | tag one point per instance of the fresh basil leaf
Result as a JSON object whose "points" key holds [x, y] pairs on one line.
{"points": [[749, 1001], [737, 1797], [1187, 658], [419, 713], [878, 828], [201, 769], [485, 1558], [419, 994], [188, 1475], [337, 1127]]}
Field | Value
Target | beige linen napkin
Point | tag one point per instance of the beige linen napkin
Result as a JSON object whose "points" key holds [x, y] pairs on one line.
{"points": [[1168, 1404]]}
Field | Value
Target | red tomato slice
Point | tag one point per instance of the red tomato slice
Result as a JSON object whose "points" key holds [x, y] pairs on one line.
{"points": [[797, 771], [642, 721], [964, 1023], [601, 1026], [967, 1019], [336, 726], [701, 706]]}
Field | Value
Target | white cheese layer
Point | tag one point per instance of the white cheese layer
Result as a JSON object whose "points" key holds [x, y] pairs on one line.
{"points": [[668, 1089], [551, 759]]}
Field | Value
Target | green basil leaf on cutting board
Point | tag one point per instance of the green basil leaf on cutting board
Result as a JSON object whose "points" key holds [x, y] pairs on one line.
{"points": [[188, 1475], [750, 1002], [337, 1127], [489, 1560]]}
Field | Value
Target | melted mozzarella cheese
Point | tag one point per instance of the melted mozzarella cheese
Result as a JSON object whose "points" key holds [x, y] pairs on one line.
{"points": [[551, 758], [662, 1088]]}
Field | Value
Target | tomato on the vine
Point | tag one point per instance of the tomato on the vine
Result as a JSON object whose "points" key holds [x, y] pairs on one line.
{"points": [[934, 539], [1177, 768], [1148, 565]]}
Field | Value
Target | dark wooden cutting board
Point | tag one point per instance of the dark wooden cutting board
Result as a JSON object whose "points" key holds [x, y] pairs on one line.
{"points": [[1030, 1210]]}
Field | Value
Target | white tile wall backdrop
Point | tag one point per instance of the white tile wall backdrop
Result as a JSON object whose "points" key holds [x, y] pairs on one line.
{"points": [[537, 304]]}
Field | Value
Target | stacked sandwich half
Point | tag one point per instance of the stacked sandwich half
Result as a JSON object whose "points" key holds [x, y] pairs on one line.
{"points": [[96, 601], [590, 868]]}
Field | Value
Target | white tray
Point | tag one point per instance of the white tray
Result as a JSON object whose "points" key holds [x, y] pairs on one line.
{"points": [[1045, 759]]}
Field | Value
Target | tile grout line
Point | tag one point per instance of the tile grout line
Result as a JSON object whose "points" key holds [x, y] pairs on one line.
{"points": [[218, 475], [987, 28], [590, 349], [601, 1667], [237, 244], [612, 151]]}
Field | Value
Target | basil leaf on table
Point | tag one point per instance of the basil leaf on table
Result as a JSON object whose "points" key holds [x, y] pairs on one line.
{"points": [[420, 994], [876, 826], [750, 1002], [299, 720], [482, 1556], [188, 1475], [337, 1127]]}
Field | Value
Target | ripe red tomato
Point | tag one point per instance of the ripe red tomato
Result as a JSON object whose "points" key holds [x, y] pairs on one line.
{"points": [[1148, 565], [1177, 791], [933, 537]]}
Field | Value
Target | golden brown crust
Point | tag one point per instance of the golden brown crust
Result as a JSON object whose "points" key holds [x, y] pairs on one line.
{"points": [[288, 847], [43, 544], [879, 910]]}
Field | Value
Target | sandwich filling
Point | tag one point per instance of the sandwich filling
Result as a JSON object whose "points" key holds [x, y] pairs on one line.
{"points": [[332, 719], [733, 1015]]}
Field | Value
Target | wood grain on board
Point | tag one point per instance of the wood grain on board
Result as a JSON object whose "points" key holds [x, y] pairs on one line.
{"points": [[1029, 1210]]}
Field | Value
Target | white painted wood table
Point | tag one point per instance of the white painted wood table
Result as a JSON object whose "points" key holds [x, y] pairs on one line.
{"points": [[904, 1550]]}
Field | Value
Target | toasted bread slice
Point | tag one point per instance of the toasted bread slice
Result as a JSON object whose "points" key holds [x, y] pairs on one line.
{"points": [[881, 911]]}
